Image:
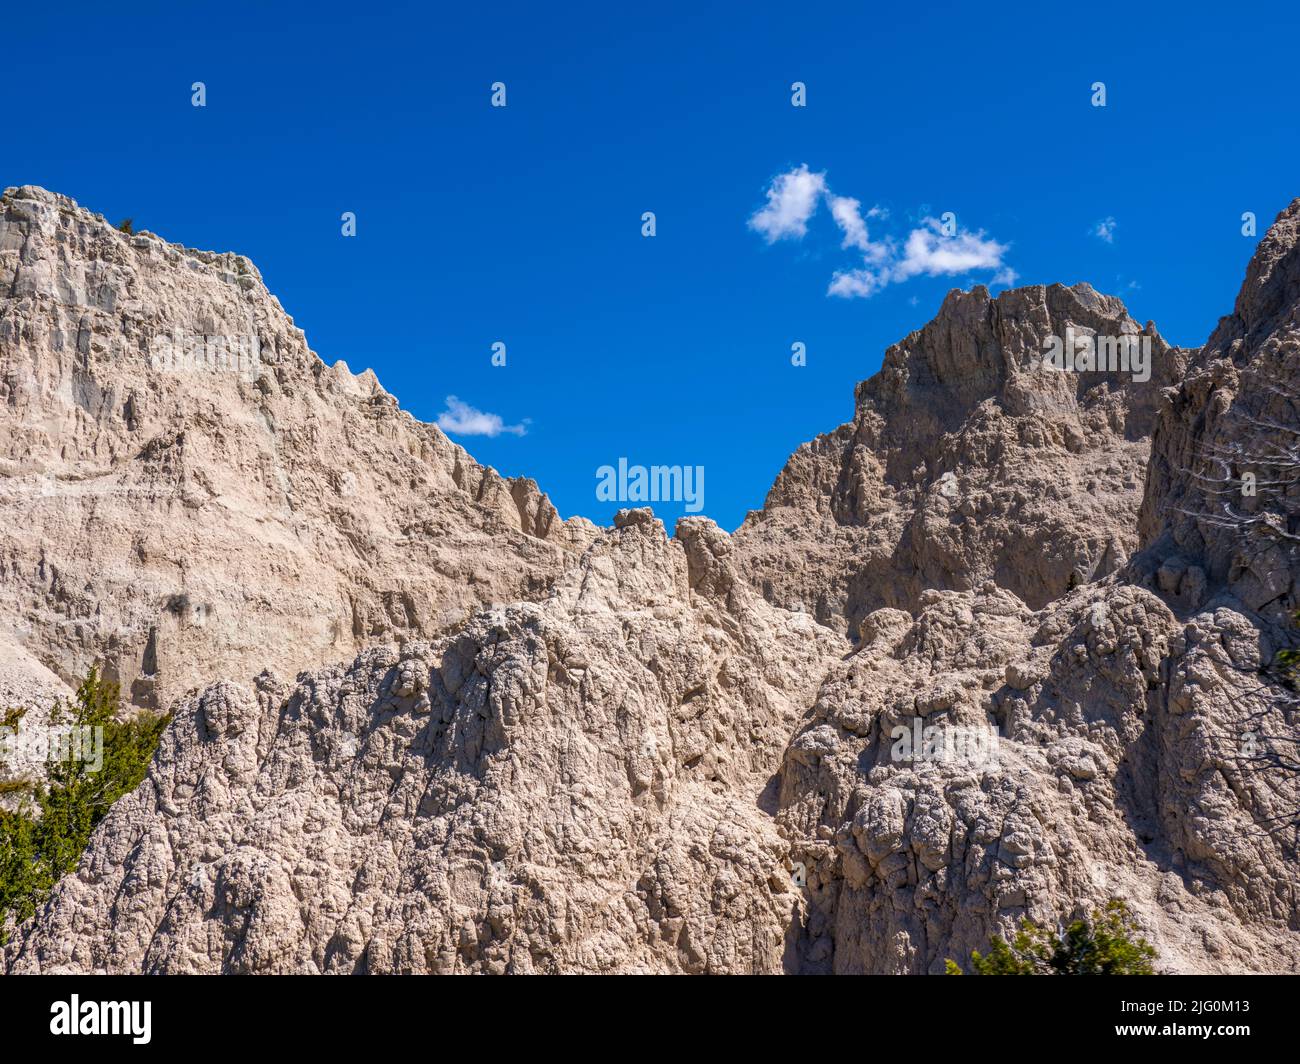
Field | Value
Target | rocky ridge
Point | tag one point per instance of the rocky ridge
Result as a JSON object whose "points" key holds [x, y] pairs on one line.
{"points": [[682, 755], [966, 461], [190, 493]]}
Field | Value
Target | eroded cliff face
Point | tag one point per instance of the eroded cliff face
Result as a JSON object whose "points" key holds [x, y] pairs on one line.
{"points": [[1117, 772], [1219, 515], [967, 460], [571, 785], [190, 494], [1138, 715], [683, 755]]}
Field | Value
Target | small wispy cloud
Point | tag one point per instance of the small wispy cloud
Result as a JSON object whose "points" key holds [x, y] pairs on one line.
{"points": [[1105, 230], [856, 284], [791, 200], [465, 420], [847, 213], [932, 249]]}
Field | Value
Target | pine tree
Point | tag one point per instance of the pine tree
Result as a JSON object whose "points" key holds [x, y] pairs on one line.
{"points": [[44, 840]]}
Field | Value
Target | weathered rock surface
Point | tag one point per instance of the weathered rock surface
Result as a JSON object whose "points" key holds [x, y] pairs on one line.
{"points": [[28, 693], [1116, 772], [561, 786], [967, 461], [186, 519], [1204, 530], [691, 754]]}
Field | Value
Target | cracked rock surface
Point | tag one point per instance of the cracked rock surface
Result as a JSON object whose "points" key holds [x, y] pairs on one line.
{"points": [[989, 651], [206, 515]]}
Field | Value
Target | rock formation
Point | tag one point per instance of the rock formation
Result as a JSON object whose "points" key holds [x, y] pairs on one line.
{"points": [[190, 494], [992, 649], [967, 460]]}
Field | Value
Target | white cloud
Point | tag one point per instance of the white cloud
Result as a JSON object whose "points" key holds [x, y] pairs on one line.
{"points": [[847, 213], [857, 284], [931, 252], [928, 251], [464, 420], [791, 200], [1105, 230]]}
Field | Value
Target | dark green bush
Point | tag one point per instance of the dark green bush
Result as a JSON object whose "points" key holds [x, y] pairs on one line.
{"points": [[1286, 664], [1105, 943]]}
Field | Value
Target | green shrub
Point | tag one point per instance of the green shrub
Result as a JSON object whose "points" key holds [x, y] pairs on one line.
{"points": [[127, 226], [39, 846], [1105, 943], [1286, 663]]}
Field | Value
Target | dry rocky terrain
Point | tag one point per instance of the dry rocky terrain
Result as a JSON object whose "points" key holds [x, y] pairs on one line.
{"points": [[423, 725]]}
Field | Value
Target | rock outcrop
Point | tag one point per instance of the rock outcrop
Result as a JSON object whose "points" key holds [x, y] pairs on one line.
{"points": [[28, 694], [190, 494], [993, 649], [1221, 511], [569, 786], [967, 460]]}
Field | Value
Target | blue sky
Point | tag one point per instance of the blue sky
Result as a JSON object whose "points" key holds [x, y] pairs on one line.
{"points": [[523, 224]]}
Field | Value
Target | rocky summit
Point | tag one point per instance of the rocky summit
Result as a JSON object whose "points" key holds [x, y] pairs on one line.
{"points": [[1000, 646]]}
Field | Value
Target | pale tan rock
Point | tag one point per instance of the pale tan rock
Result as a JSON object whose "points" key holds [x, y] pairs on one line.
{"points": [[28, 693], [1105, 781], [189, 524], [561, 786], [966, 461], [1235, 413], [687, 754]]}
